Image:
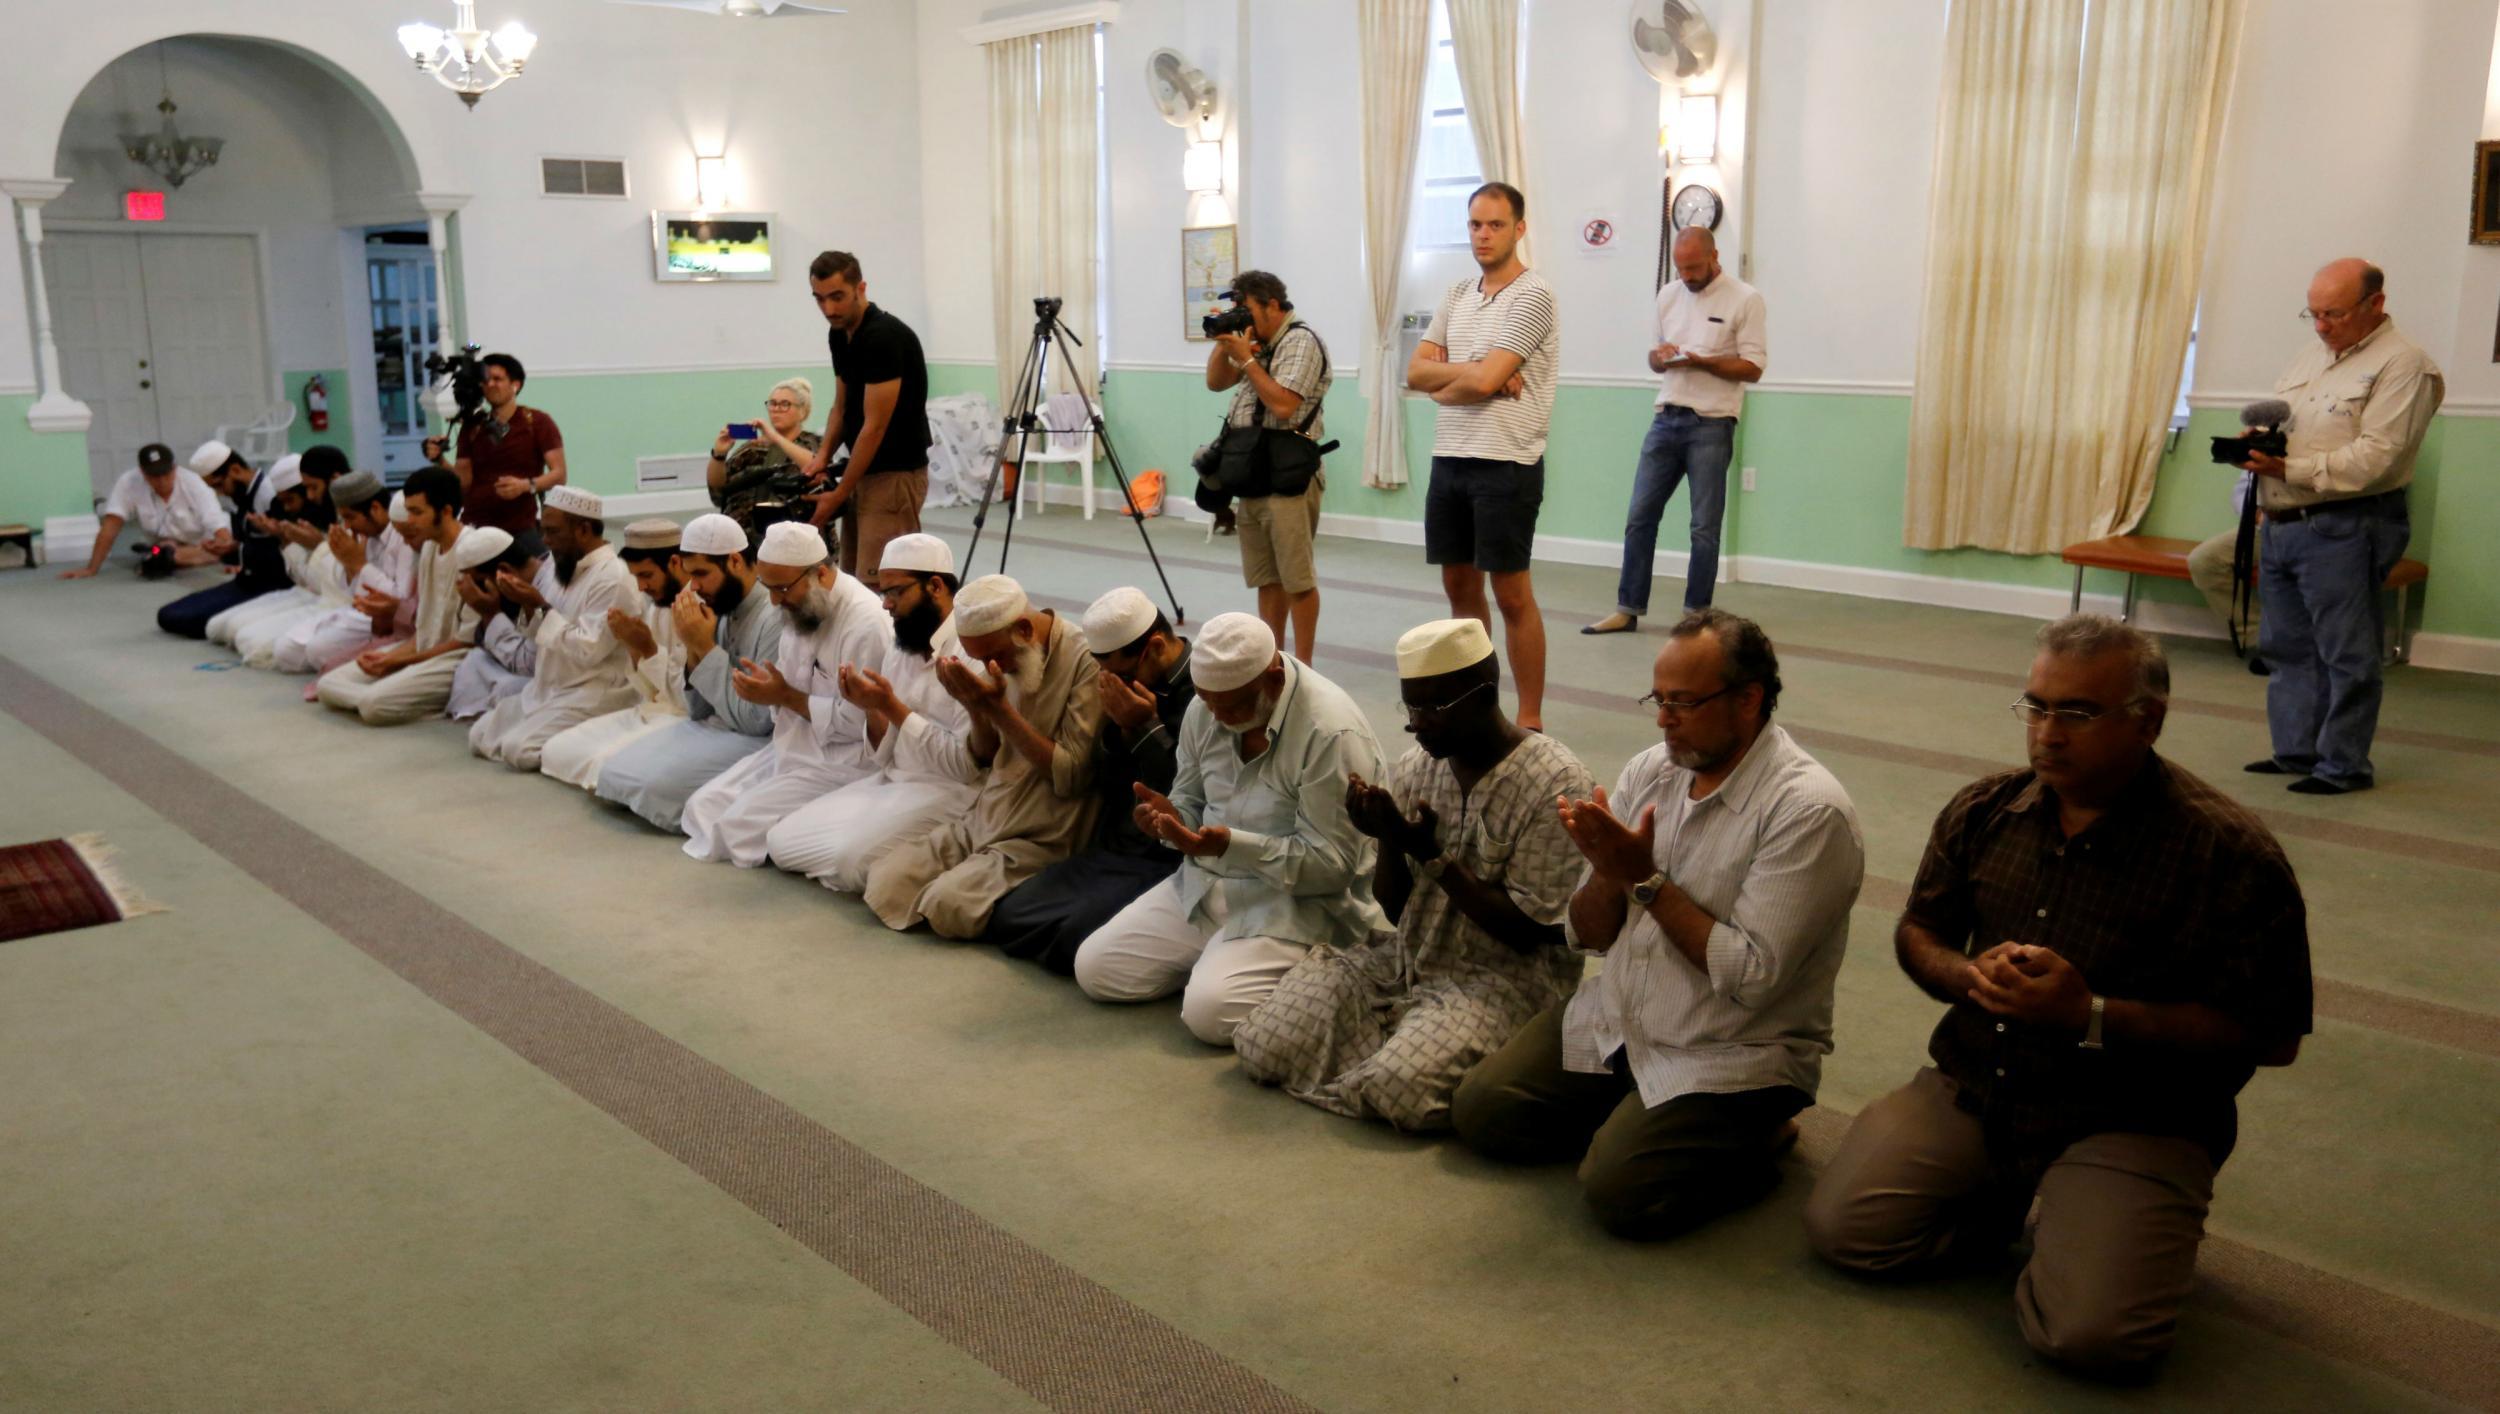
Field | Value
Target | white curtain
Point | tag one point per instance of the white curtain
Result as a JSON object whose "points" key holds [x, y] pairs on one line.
{"points": [[2075, 157], [1043, 142], [1396, 39], [1484, 38]]}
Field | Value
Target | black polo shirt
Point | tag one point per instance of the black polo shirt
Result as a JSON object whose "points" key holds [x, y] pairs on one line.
{"points": [[883, 350]]}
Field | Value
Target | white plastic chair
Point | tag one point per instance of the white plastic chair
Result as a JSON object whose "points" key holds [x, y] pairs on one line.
{"points": [[1066, 439], [262, 440]]}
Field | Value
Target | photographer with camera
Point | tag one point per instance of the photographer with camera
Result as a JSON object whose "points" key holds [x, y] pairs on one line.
{"points": [[1269, 456], [758, 470], [2335, 524], [880, 411], [506, 454]]}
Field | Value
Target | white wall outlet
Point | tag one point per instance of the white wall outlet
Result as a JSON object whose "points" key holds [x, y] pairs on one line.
{"points": [[1749, 478]]}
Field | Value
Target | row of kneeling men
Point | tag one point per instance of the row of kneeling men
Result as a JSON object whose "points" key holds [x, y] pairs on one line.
{"points": [[2117, 945]]}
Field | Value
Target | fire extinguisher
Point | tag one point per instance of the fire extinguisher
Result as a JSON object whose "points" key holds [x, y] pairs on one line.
{"points": [[317, 403]]}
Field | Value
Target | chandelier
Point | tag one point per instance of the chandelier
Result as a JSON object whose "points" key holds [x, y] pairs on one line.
{"points": [[466, 59], [166, 152]]}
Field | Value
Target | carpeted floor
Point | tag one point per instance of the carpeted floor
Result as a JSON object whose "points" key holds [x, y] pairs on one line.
{"points": [[444, 1087]]}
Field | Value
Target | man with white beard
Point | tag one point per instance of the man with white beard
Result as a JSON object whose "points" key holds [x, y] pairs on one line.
{"points": [[655, 661], [581, 667], [820, 741], [1273, 863], [1034, 714], [925, 777]]}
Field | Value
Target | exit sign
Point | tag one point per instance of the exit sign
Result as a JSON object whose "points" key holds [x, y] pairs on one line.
{"points": [[143, 206]]}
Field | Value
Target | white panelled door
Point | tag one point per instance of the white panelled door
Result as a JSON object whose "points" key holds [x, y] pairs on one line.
{"points": [[161, 335]]}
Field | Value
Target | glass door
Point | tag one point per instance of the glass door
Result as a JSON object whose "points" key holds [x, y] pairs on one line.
{"points": [[407, 321]]}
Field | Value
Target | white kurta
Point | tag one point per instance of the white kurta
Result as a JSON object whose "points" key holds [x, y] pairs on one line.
{"points": [[421, 690], [924, 777], [581, 672], [810, 756], [390, 568], [223, 626], [575, 754], [322, 585]]}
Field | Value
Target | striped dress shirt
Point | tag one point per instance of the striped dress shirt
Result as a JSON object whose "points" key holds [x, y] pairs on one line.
{"points": [[1776, 856]]}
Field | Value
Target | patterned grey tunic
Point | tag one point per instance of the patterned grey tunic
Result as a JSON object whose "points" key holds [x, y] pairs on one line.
{"points": [[1386, 1028]]}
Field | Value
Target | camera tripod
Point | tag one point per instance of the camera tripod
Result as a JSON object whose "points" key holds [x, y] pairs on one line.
{"points": [[1018, 427]]}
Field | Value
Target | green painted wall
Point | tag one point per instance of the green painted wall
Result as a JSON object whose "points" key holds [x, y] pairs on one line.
{"points": [[300, 436], [41, 473], [610, 419]]}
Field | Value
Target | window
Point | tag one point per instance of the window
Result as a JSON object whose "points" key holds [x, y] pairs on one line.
{"points": [[1447, 167], [2187, 372]]}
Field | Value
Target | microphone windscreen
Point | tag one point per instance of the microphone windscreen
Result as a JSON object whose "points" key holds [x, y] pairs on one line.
{"points": [[2266, 412]]}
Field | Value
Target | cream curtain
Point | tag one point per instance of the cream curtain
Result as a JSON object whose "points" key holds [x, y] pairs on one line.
{"points": [[1043, 145], [1484, 37], [2074, 158], [1396, 39]]}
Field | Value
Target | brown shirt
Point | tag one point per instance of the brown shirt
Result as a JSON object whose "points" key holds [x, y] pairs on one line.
{"points": [[2176, 894], [494, 451]]}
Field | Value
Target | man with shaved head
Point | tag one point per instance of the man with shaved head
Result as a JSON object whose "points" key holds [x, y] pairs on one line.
{"points": [[1710, 344], [2335, 524]]}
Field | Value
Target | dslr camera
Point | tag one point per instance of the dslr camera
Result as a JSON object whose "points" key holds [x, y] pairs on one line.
{"points": [[2265, 418], [1235, 320]]}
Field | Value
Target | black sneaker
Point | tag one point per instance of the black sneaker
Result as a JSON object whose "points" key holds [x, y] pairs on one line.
{"points": [[2270, 767], [2317, 785], [2260, 666]]}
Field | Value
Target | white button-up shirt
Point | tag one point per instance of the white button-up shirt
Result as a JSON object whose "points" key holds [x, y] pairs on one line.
{"points": [[1723, 317], [185, 515], [2357, 419], [1776, 856]]}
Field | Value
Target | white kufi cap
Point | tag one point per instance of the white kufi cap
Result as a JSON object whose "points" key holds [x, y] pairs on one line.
{"points": [[1117, 620], [286, 474], [713, 534], [1232, 650], [574, 501], [211, 455], [792, 542], [399, 505], [989, 604], [1442, 646], [917, 553], [477, 545]]}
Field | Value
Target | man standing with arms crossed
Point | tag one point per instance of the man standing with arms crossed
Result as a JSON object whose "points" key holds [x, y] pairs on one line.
{"points": [[1710, 345], [1490, 360], [880, 411]]}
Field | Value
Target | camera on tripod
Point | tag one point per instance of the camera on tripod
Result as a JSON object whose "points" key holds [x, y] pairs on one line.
{"points": [[464, 379], [1046, 308], [1235, 320]]}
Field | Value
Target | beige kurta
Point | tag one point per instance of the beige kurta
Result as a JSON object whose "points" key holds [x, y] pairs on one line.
{"points": [[418, 691], [1025, 815]]}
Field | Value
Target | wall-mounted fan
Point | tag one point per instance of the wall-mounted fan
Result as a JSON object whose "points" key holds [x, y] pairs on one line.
{"points": [[1182, 93], [1672, 40], [743, 9]]}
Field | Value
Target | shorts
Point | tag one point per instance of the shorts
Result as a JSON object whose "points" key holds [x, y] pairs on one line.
{"points": [[1276, 536], [883, 506], [1482, 512]]}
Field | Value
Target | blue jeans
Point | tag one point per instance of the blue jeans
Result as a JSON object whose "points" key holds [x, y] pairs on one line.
{"points": [[1682, 446], [2321, 631]]}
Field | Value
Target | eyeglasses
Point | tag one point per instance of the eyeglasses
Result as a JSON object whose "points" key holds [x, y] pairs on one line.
{"points": [[778, 592], [1680, 707], [780, 405], [890, 593], [1415, 711], [2033, 713], [2328, 316]]}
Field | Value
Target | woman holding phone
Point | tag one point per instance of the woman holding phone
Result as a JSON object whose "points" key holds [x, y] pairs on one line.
{"points": [[749, 458]]}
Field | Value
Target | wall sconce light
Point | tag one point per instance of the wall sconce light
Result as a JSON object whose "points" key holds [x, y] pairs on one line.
{"points": [[711, 183], [1697, 128], [1202, 167]]}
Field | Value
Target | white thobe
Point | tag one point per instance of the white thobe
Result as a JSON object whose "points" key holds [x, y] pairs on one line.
{"points": [[226, 624], [390, 568], [811, 755], [320, 586], [924, 777], [581, 670], [421, 689], [657, 682], [507, 654]]}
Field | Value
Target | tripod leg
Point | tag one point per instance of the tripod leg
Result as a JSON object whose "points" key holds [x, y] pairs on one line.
{"points": [[1014, 428]]}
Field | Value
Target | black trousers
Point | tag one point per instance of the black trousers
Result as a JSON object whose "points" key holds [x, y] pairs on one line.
{"points": [[188, 616], [1048, 917]]}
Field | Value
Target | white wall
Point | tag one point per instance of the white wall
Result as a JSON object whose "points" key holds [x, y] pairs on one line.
{"points": [[17, 350], [954, 130]]}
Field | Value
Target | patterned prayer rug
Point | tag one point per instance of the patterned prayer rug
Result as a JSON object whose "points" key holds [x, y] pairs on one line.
{"points": [[54, 885]]}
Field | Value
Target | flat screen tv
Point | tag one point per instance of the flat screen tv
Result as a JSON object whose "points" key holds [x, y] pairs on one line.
{"points": [[711, 245]]}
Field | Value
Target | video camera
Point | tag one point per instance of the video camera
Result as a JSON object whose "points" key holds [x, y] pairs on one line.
{"points": [[1235, 320], [464, 379], [2266, 416]]}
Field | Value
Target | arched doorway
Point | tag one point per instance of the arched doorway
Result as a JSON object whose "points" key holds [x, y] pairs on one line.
{"points": [[256, 280]]}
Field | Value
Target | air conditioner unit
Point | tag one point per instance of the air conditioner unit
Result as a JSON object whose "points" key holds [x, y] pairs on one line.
{"points": [[672, 473], [1411, 327]]}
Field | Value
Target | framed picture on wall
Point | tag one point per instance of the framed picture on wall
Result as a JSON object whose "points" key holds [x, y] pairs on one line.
{"points": [[703, 246], [1210, 258], [2486, 193]]}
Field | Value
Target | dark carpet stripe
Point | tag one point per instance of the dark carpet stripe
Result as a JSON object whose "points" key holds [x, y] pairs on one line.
{"points": [[1065, 1340]]}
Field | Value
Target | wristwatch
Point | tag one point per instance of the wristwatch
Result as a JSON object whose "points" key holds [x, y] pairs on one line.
{"points": [[1431, 868], [1645, 892], [2092, 1029]]}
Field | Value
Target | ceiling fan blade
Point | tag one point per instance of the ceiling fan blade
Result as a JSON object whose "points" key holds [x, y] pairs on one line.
{"points": [[706, 7], [774, 9]]}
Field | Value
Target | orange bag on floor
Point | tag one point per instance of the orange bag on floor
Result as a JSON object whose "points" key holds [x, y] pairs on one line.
{"points": [[1145, 491]]}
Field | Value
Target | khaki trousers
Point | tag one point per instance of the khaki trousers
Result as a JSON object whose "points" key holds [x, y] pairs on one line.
{"points": [[2209, 569], [2115, 1222], [883, 506]]}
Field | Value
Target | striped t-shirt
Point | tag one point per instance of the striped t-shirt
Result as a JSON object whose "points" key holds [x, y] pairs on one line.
{"points": [[1522, 318]]}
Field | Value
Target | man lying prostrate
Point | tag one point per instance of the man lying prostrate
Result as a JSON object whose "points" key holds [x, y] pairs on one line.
{"points": [[507, 593], [583, 669], [820, 742], [924, 777], [279, 506], [1145, 689], [412, 679], [655, 657], [320, 580], [376, 548], [1033, 715], [722, 620], [1477, 871], [1273, 866], [169, 504], [259, 568]]}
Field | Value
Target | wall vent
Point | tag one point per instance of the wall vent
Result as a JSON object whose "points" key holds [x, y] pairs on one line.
{"points": [[582, 176], [675, 473]]}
